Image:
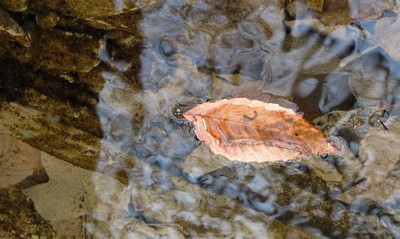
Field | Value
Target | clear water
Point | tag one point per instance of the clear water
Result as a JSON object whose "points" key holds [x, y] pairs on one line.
{"points": [[210, 50], [199, 52]]}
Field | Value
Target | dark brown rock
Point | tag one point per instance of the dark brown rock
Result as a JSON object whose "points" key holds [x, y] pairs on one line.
{"points": [[62, 51], [11, 29], [47, 20], [84, 9], [15, 5], [19, 218], [89, 9]]}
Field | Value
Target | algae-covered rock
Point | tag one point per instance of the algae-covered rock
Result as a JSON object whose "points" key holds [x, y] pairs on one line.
{"points": [[317, 5], [47, 19], [88, 9], [83, 9], [299, 8], [10, 28], [15, 5], [125, 21], [338, 12], [63, 51], [19, 218]]}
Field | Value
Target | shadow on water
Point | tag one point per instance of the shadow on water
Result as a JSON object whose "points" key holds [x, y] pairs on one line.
{"points": [[213, 50]]}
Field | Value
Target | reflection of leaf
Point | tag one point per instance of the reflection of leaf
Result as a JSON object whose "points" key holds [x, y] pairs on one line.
{"points": [[253, 131]]}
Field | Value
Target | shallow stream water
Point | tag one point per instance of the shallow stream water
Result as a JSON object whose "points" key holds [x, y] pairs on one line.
{"points": [[204, 52], [185, 53]]}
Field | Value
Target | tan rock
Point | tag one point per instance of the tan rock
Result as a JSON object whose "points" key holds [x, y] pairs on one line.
{"points": [[71, 191], [380, 152], [368, 81], [17, 160]]}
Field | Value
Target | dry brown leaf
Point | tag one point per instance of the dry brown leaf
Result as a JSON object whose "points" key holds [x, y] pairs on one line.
{"points": [[254, 131]]}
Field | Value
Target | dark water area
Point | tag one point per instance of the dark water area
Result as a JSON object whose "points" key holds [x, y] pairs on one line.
{"points": [[104, 90]]}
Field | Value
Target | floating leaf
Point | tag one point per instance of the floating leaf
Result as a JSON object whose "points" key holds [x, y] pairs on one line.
{"points": [[254, 131]]}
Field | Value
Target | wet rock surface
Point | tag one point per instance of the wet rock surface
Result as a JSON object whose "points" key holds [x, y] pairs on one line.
{"points": [[94, 83], [11, 29], [15, 5], [66, 51], [333, 12], [19, 218], [19, 162]]}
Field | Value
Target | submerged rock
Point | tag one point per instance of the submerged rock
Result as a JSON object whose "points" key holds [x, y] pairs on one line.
{"points": [[15, 5], [10, 28], [342, 12], [19, 218], [70, 192], [379, 153], [317, 5], [202, 161], [164, 55], [47, 19], [335, 91], [369, 79], [377, 31], [87, 9], [18, 161], [63, 51]]}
